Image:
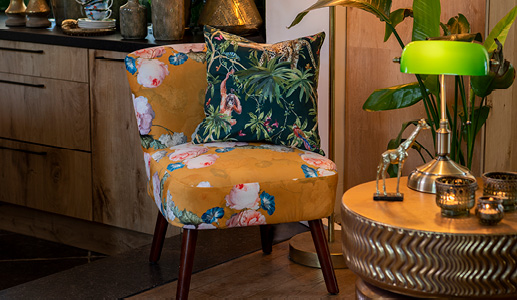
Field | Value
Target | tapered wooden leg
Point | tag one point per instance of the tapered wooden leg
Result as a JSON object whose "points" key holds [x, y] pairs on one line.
{"points": [[188, 248], [322, 249], [159, 236], [266, 238]]}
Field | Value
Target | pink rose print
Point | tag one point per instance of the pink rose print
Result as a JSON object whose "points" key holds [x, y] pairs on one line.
{"points": [[186, 48], [318, 161], [244, 196], [323, 172], [246, 218], [202, 161], [200, 226], [156, 190], [150, 52], [151, 72], [187, 151], [147, 160], [144, 114]]}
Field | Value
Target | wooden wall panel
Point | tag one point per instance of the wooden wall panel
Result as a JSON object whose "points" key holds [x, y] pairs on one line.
{"points": [[368, 67], [501, 128]]}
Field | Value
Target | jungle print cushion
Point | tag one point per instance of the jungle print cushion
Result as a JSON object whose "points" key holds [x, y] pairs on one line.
{"points": [[261, 92]]}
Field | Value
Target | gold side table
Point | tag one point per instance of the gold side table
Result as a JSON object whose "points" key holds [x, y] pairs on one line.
{"points": [[409, 248]]}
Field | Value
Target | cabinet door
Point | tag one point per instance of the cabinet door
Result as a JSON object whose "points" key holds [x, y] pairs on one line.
{"points": [[46, 178], [45, 111], [41, 60], [119, 177]]}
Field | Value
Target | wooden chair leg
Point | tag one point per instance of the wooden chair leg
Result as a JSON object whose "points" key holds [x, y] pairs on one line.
{"points": [[188, 248], [266, 238], [159, 236], [322, 249]]}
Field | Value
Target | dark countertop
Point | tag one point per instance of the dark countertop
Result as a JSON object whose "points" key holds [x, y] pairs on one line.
{"points": [[112, 42]]}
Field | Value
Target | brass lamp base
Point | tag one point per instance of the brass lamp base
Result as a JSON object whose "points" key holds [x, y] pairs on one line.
{"points": [[423, 178], [302, 251]]}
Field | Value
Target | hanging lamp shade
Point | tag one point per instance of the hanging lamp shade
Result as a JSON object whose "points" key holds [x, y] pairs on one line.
{"points": [[444, 57]]}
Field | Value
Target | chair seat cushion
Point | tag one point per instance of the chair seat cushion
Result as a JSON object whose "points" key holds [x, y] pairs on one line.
{"points": [[232, 184]]}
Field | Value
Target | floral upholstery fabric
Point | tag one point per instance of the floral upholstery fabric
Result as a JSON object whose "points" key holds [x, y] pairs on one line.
{"points": [[261, 92], [220, 184]]}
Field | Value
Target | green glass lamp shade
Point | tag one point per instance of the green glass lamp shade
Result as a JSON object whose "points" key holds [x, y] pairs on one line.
{"points": [[444, 57]]}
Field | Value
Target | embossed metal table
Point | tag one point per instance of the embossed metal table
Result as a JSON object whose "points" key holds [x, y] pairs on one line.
{"points": [[409, 248]]}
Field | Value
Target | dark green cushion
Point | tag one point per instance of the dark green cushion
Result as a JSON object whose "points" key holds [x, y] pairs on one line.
{"points": [[261, 92]]}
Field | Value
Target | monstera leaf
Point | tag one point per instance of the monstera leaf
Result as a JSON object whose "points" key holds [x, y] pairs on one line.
{"points": [[379, 8]]}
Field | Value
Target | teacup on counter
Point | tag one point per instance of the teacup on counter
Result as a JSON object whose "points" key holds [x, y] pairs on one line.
{"points": [[96, 10], [98, 4], [97, 14]]}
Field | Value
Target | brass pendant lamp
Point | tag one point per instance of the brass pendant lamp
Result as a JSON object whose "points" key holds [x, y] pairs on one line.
{"points": [[240, 17]]}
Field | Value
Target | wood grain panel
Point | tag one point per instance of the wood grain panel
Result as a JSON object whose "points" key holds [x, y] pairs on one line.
{"points": [[368, 67], [43, 60], [75, 232], [501, 126], [120, 180], [54, 180], [45, 111]]}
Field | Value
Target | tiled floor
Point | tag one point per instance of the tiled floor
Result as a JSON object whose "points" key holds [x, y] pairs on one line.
{"points": [[24, 258], [117, 276]]}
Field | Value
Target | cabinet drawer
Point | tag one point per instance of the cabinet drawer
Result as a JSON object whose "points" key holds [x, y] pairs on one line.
{"points": [[43, 60], [45, 111], [46, 178]]}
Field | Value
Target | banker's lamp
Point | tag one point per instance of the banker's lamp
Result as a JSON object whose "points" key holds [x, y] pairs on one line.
{"points": [[442, 58]]}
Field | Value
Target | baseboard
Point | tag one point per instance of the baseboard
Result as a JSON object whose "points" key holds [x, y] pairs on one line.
{"points": [[79, 233]]}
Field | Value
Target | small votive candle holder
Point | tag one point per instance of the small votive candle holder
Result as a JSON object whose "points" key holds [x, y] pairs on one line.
{"points": [[490, 210], [455, 195], [502, 185]]}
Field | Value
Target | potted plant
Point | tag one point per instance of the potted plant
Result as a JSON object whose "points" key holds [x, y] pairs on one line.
{"points": [[470, 110]]}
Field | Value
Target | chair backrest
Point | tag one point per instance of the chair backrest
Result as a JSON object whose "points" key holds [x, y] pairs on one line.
{"points": [[168, 85]]}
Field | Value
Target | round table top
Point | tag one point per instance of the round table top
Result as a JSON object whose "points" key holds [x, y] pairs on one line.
{"points": [[418, 211]]}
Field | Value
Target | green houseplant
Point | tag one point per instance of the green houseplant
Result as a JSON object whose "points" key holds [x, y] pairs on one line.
{"points": [[469, 110]]}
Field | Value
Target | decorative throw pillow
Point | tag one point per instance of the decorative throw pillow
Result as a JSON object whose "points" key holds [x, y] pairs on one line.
{"points": [[261, 92]]}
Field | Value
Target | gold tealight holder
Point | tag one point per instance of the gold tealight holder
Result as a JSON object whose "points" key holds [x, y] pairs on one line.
{"points": [[455, 195], [502, 185], [490, 210]]}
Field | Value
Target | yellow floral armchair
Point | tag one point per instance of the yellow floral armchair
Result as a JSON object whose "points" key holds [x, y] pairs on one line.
{"points": [[220, 184]]}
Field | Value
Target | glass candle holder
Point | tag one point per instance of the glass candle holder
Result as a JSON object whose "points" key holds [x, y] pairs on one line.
{"points": [[502, 185], [455, 195], [490, 210]]}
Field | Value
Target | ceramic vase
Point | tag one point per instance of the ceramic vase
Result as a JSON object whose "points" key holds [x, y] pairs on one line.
{"points": [[66, 9], [168, 18], [37, 14], [15, 13], [133, 20]]}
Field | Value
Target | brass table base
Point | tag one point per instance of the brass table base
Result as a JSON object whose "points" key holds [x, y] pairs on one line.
{"points": [[366, 291], [409, 248], [302, 251]]}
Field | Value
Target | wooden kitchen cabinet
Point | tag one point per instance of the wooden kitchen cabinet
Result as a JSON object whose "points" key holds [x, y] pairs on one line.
{"points": [[45, 160], [46, 178], [119, 177], [68, 138]]}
